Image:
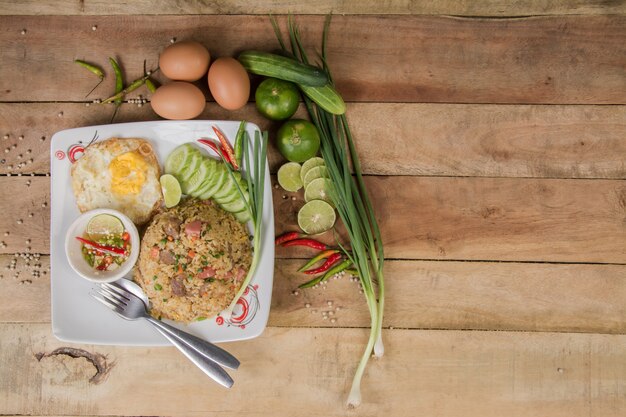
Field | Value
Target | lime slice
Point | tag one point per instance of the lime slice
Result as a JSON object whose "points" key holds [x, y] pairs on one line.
{"points": [[314, 173], [315, 217], [171, 190], [310, 164], [318, 190], [104, 225], [289, 176]]}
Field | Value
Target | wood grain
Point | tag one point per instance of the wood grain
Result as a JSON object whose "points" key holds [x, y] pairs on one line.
{"points": [[421, 295], [163, 7], [442, 373], [490, 218], [511, 219], [552, 60], [541, 141]]}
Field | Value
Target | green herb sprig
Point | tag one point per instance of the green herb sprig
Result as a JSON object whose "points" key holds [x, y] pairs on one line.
{"points": [[351, 198]]}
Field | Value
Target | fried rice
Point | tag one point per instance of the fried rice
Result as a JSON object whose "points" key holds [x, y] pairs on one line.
{"points": [[193, 260]]}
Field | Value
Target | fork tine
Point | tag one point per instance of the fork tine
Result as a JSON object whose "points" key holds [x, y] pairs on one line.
{"points": [[117, 289], [104, 301], [118, 299]]}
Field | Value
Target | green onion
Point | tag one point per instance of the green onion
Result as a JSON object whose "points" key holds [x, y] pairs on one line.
{"points": [[254, 172], [350, 197], [158, 287]]}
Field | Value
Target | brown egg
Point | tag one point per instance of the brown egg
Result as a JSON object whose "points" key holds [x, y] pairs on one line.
{"points": [[178, 100], [229, 83], [184, 61]]}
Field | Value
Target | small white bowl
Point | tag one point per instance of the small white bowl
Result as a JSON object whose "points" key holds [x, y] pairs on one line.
{"points": [[75, 255]]}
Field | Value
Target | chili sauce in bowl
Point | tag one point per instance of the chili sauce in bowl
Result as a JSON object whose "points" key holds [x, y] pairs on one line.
{"points": [[102, 245]]}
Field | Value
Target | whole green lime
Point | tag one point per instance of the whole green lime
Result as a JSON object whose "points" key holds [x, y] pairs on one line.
{"points": [[277, 99], [298, 140]]}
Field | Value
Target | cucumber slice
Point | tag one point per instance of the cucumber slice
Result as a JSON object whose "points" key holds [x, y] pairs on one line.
{"points": [[177, 158], [194, 159], [242, 216], [230, 197], [228, 187], [193, 184], [237, 205], [209, 180], [218, 180]]}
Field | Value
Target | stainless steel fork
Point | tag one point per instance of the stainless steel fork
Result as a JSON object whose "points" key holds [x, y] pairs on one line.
{"points": [[203, 354]]}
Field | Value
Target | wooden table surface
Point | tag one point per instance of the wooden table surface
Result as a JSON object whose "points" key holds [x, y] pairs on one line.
{"points": [[493, 136]]}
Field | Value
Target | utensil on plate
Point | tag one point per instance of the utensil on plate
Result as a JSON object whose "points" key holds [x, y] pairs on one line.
{"points": [[205, 348], [205, 355]]}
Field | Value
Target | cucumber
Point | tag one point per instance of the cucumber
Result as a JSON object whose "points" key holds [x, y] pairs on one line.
{"points": [[177, 158], [236, 205], [194, 159], [326, 97], [228, 187], [242, 216], [209, 180], [218, 179], [272, 65], [198, 178]]}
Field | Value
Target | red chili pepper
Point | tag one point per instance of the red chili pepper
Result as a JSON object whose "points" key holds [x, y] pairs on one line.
{"points": [[332, 260], [214, 148], [311, 243], [125, 236], [103, 248], [317, 258], [286, 237], [334, 270], [226, 147]]}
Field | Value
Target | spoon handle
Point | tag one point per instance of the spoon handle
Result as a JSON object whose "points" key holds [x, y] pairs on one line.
{"points": [[209, 367], [204, 348]]}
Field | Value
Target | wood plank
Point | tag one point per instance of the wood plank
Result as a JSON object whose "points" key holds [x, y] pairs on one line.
{"points": [[425, 139], [504, 219], [420, 295], [562, 60], [512, 219], [163, 7], [443, 373]]}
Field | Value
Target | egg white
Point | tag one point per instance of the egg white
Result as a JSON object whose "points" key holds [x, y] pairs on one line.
{"points": [[91, 180]]}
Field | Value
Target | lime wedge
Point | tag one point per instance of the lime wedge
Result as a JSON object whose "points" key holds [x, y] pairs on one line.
{"points": [[104, 225], [318, 190], [171, 190], [315, 217], [310, 164], [314, 173], [289, 176]]}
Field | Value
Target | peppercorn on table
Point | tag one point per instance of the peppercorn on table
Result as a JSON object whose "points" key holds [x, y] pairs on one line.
{"points": [[492, 138]]}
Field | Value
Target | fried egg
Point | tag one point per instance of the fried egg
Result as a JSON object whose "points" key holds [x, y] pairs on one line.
{"points": [[120, 174]]}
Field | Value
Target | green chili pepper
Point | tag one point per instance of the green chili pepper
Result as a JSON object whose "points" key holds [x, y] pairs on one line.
{"points": [[150, 85], [132, 87], [94, 70], [337, 269], [239, 142], [119, 81], [322, 255], [119, 85]]}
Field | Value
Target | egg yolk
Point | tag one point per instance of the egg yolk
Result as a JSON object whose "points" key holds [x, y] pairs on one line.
{"points": [[128, 173]]}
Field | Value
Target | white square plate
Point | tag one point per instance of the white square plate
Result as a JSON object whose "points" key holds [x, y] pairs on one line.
{"points": [[76, 317]]}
